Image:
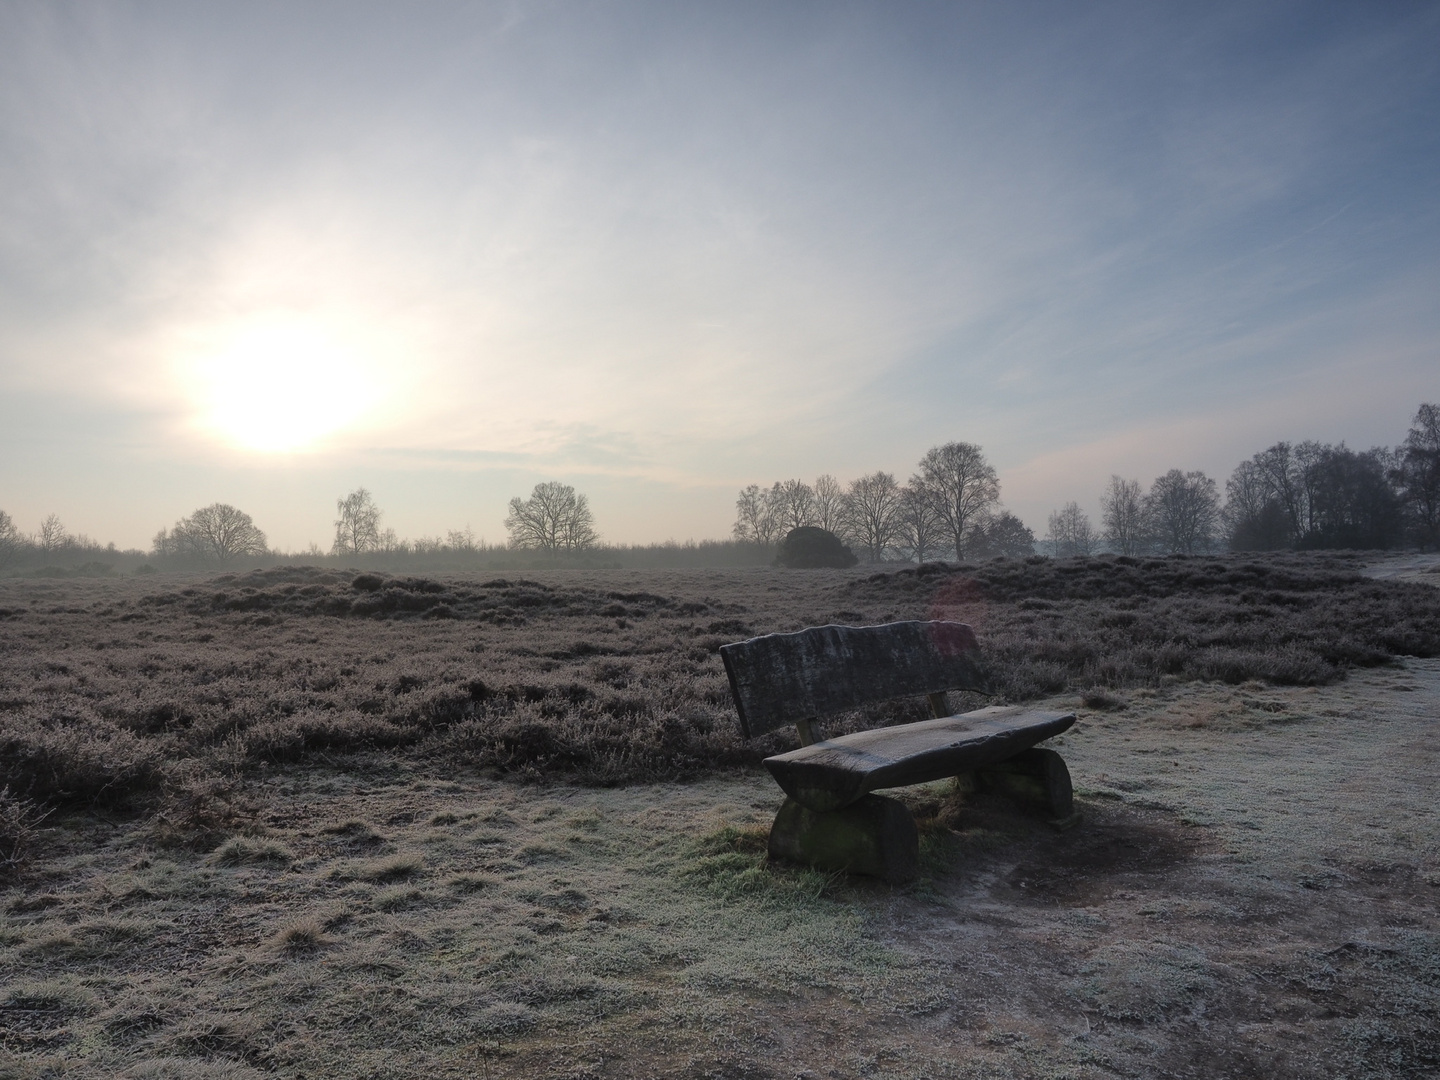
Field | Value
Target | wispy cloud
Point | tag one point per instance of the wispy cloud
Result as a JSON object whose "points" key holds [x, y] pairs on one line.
{"points": [[693, 247]]}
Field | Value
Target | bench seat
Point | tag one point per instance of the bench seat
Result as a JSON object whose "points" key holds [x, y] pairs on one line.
{"points": [[834, 773]]}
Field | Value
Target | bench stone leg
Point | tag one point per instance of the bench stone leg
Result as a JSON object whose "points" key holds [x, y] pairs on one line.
{"points": [[875, 836], [1036, 776]]}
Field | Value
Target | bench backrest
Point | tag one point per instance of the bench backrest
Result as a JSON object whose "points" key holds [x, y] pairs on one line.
{"points": [[784, 679]]}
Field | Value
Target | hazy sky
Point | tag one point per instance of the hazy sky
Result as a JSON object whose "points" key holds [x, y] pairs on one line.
{"points": [[263, 254]]}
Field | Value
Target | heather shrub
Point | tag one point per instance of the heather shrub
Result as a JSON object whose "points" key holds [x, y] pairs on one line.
{"points": [[150, 691], [18, 821], [73, 759], [1052, 624]]}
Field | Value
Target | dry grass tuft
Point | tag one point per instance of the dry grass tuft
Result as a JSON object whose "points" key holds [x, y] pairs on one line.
{"points": [[248, 851], [302, 937], [469, 883], [1103, 700], [399, 867]]}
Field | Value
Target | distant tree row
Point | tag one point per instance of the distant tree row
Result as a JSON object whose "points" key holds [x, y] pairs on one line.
{"points": [[1180, 514], [950, 506], [1302, 495], [1312, 495], [50, 543], [1291, 496], [554, 519]]}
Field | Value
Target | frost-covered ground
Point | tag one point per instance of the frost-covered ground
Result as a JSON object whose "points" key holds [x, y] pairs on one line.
{"points": [[1253, 890]]}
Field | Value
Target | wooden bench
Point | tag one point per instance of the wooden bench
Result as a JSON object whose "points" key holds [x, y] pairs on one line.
{"points": [[830, 818]]}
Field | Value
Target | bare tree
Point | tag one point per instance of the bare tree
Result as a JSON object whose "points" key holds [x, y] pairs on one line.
{"points": [[793, 503], [390, 544], [755, 520], [829, 504], [1308, 468], [460, 539], [357, 529], [1420, 475], [1071, 532], [217, 532], [1122, 512], [919, 527], [1183, 510], [962, 487], [52, 535], [553, 519], [1255, 516], [1352, 504], [10, 539], [873, 512], [1281, 469]]}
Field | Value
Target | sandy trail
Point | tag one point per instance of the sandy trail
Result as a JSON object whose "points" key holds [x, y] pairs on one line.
{"points": [[1255, 893]]}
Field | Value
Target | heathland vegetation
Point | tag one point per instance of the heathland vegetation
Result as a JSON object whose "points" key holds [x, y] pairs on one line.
{"points": [[141, 689], [311, 821]]}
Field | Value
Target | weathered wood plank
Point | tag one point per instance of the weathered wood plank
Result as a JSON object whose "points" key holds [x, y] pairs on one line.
{"points": [[836, 772], [781, 678]]}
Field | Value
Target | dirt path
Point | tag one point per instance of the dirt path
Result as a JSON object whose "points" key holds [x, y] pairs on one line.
{"points": [[1422, 566], [1255, 893]]}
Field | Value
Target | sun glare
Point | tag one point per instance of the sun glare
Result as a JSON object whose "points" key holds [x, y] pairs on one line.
{"points": [[281, 385]]}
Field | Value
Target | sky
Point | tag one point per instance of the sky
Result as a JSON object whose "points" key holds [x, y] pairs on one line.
{"points": [[264, 254]]}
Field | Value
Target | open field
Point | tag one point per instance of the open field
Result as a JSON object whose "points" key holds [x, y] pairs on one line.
{"points": [[310, 824]]}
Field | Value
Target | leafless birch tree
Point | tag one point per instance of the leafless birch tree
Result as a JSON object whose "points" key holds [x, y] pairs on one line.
{"points": [[10, 539], [357, 529], [52, 535], [755, 520], [919, 527], [1420, 474]]}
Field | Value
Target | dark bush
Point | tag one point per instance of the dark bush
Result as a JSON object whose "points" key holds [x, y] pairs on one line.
{"points": [[809, 548]]}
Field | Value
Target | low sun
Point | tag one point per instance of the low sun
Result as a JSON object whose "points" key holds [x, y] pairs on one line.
{"points": [[280, 385]]}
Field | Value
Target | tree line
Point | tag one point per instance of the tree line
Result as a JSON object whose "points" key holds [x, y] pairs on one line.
{"points": [[950, 506], [1291, 496], [554, 519]]}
